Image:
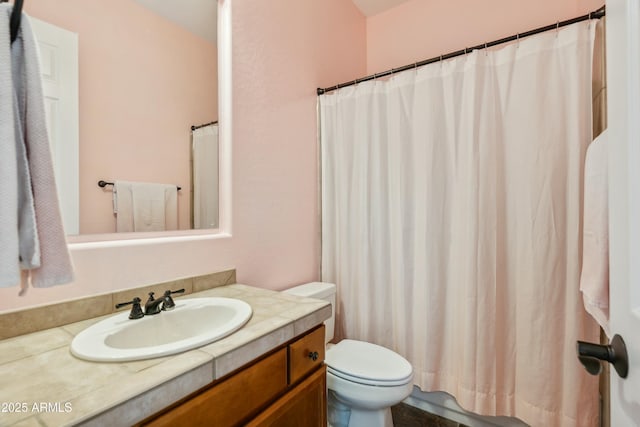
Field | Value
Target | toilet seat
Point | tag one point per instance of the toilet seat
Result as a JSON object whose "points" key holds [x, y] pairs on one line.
{"points": [[365, 381], [368, 364]]}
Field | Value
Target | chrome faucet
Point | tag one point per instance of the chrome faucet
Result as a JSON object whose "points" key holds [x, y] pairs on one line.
{"points": [[152, 306]]}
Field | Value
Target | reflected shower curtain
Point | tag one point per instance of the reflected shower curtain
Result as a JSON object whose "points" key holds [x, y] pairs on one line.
{"points": [[205, 177], [451, 223]]}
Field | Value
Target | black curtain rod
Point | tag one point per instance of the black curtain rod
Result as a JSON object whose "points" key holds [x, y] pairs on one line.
{"points": [[194, 127], [103, 184], [592, 15]]}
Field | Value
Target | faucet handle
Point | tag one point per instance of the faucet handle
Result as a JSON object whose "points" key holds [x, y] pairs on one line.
{"points": [[168, 301], [136, 310], [151, 298]]}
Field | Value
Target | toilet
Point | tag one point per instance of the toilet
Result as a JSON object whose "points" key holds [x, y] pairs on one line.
{"points": [[363, 379]]}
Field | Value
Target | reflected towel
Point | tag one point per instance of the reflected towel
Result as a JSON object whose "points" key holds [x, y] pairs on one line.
{"points": [[141, 206], [594, 280]]}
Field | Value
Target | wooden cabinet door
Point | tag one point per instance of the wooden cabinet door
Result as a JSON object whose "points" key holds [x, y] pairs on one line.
{"points": [[303, 406], [233, 400]]}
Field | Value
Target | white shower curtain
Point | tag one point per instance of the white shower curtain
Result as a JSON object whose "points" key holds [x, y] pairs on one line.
{"points": [[451, 223], [205, 177]]}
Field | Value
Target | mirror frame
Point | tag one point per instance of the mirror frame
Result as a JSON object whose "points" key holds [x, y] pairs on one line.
{"points": [[225, 135]]}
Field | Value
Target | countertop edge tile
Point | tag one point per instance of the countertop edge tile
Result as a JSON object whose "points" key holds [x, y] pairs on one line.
{"points": [[31, 421], [240, 356], [311, 320], [191, 367], [152, 401]]}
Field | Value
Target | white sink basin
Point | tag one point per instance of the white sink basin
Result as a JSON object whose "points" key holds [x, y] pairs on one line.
{"points": [[192, 323]]}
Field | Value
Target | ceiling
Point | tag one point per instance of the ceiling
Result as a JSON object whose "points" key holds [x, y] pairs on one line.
{"points": [[373, 7], [200, 16]]}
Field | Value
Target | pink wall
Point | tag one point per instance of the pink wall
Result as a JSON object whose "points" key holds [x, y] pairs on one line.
{"points": [[419, 29], [143, 82], [282, 51]]}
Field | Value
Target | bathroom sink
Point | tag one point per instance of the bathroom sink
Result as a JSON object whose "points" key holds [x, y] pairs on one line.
{"points": [[192, 323]]}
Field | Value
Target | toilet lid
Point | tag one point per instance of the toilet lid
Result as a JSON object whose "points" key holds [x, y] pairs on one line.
{"points": [[367, 363]]}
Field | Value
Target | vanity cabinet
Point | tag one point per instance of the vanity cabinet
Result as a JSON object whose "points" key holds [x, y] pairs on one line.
{"points": [[287, 387]]}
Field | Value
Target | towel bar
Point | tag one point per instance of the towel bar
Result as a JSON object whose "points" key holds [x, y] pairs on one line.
{"points": [[103, 184]]}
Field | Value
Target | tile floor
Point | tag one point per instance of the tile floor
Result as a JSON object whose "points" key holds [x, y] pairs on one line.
{"points": [[408, 416]]}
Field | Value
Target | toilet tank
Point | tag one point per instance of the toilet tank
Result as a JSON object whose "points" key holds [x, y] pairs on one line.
{"points": [[319, 290]]}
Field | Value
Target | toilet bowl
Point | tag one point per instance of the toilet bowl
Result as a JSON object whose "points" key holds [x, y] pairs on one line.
{"points": [[363, 379]]}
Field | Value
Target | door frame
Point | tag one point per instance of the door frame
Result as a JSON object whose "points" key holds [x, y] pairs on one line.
{"points": [[623, 86]]}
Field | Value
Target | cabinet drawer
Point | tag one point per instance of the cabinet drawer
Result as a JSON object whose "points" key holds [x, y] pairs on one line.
{"points": [[231, 401], [306, 354]]}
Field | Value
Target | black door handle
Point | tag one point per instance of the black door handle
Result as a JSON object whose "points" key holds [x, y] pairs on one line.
{"points": [[615, 353]]}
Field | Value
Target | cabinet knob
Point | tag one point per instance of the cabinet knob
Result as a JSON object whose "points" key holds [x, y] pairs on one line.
{"points": [[313, 355]]}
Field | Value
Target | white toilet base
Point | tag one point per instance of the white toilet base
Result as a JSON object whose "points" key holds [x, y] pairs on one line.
{"points": [[370, 418], [342, 415]]}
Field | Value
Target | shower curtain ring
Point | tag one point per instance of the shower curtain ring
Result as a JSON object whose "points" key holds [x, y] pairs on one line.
{"points": [[485, 49], [557, 28], [517, 39]]}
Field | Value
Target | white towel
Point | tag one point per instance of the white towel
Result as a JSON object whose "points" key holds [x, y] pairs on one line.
{"points": [[42, 247], [594, 280], [123, 206], [141, 206]]}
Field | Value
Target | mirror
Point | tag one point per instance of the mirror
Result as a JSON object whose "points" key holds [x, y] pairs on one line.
{"points": [[146, 73]]}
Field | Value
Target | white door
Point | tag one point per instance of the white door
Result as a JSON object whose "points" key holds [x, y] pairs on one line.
{"points": [[59, 66], [623, 81]]}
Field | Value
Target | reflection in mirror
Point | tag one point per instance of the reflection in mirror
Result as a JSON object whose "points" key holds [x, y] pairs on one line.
{"points": [[142, 81], [204, 176]]}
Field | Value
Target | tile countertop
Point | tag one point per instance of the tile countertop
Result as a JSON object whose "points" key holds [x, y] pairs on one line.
{"points": [[43, 384]]}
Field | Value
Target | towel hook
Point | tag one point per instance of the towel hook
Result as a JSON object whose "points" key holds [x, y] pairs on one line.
{"points": [[16, 16]]}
